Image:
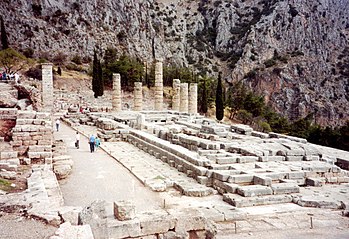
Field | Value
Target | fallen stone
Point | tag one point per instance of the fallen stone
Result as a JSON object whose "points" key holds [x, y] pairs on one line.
{"points": [[124, 210]]}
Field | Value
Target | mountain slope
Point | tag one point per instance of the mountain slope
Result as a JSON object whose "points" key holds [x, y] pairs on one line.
{"points": [[296, 53]]}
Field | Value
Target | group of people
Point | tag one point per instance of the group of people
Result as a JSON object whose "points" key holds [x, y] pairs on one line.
{"points": [[93, 141], [11, 76]]}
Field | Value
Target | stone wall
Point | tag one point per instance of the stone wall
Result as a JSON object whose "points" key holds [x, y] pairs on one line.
{"points": [[32, 135]]}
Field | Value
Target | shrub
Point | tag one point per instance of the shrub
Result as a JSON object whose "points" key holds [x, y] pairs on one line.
{"points": [[76, 59]]}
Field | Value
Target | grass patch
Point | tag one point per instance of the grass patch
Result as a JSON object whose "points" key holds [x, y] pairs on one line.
{"points": [[5, 185], [159, 177]]}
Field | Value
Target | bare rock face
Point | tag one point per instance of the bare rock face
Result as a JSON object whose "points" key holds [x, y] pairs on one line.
{"points": [[296, 53]]}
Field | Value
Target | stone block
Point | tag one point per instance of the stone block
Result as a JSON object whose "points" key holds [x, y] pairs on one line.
{"points": [[154, 222], [124, 229], [70, 214], [311, 158], [271, 158], [343, 179], [294, 158], [285, 188], [239, 201], [247, 159], [254, 190], [315, 182], [8, 154], [188, 219], [262, 180], [241, 179], [309, 201], [295, 175], [124, 210]]}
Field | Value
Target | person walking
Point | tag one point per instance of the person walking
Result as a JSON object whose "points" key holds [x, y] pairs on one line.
{"points": [[97, 143], [92, 143], [57, 124], [77, 137]]}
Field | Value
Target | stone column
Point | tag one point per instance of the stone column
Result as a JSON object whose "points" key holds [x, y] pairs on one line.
{"points": [[159, 88], [176, 86], [193, 98], [184, 98], [116, 97], [138, 97], [47, 87]]}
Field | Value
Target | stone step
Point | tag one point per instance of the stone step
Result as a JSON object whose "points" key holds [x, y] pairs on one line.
{"points": [[240, 201]]}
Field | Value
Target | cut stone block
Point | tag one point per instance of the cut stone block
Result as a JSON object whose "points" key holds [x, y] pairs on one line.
{"points": [[124, 210], [262, 180], [285, 188], [309, 201], [239, 201], [315, 182], [124, 229], [154, 222], [254, 190]]}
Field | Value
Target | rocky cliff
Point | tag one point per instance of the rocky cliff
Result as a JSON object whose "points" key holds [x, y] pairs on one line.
{"points": [[295, 52]]}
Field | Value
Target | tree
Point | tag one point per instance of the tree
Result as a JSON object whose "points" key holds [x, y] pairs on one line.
{"points": [[219, 99], [129, 68], [97, 80], [203, 102], [4, 40], [12, 60]]}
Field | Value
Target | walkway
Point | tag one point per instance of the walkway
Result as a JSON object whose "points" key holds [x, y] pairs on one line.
{"points": [[98, 176]]}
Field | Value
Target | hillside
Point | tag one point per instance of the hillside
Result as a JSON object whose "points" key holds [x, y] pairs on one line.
{"points": [[296, 53]]}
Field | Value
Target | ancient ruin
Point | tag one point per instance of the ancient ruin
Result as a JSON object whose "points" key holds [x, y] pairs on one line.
{"points": [[212, 176]]}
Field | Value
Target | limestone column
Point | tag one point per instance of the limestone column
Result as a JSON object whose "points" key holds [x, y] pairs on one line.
{"points": [[116, 97], [184, 98], [193, 98], [138, 97], [47, 86], [176, 98], [159, 88]]}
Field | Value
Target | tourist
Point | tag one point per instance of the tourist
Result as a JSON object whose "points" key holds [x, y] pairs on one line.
{"points": [[57, 124], [92, 143], [97, 143], [77, 137], [4, 76], [16, 78]]}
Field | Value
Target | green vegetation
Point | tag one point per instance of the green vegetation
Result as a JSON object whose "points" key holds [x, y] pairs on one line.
{"points": [[97, 80], [11, 60], [250, 108], [5, 185], [4, 40], [219, 99]]}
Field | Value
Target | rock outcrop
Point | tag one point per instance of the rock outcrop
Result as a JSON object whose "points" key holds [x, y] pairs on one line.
{"points": [[293, 52]]}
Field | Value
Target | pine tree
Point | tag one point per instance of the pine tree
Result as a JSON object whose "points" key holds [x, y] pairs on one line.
{"points": [[97, 79], [219, 100], [4, 41], [203, 102]]}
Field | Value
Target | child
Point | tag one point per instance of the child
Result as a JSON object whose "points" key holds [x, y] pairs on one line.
{"points": [[97, 143]]}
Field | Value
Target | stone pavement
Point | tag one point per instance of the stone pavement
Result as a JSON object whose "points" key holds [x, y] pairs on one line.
{"points": [[98, 176]]}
